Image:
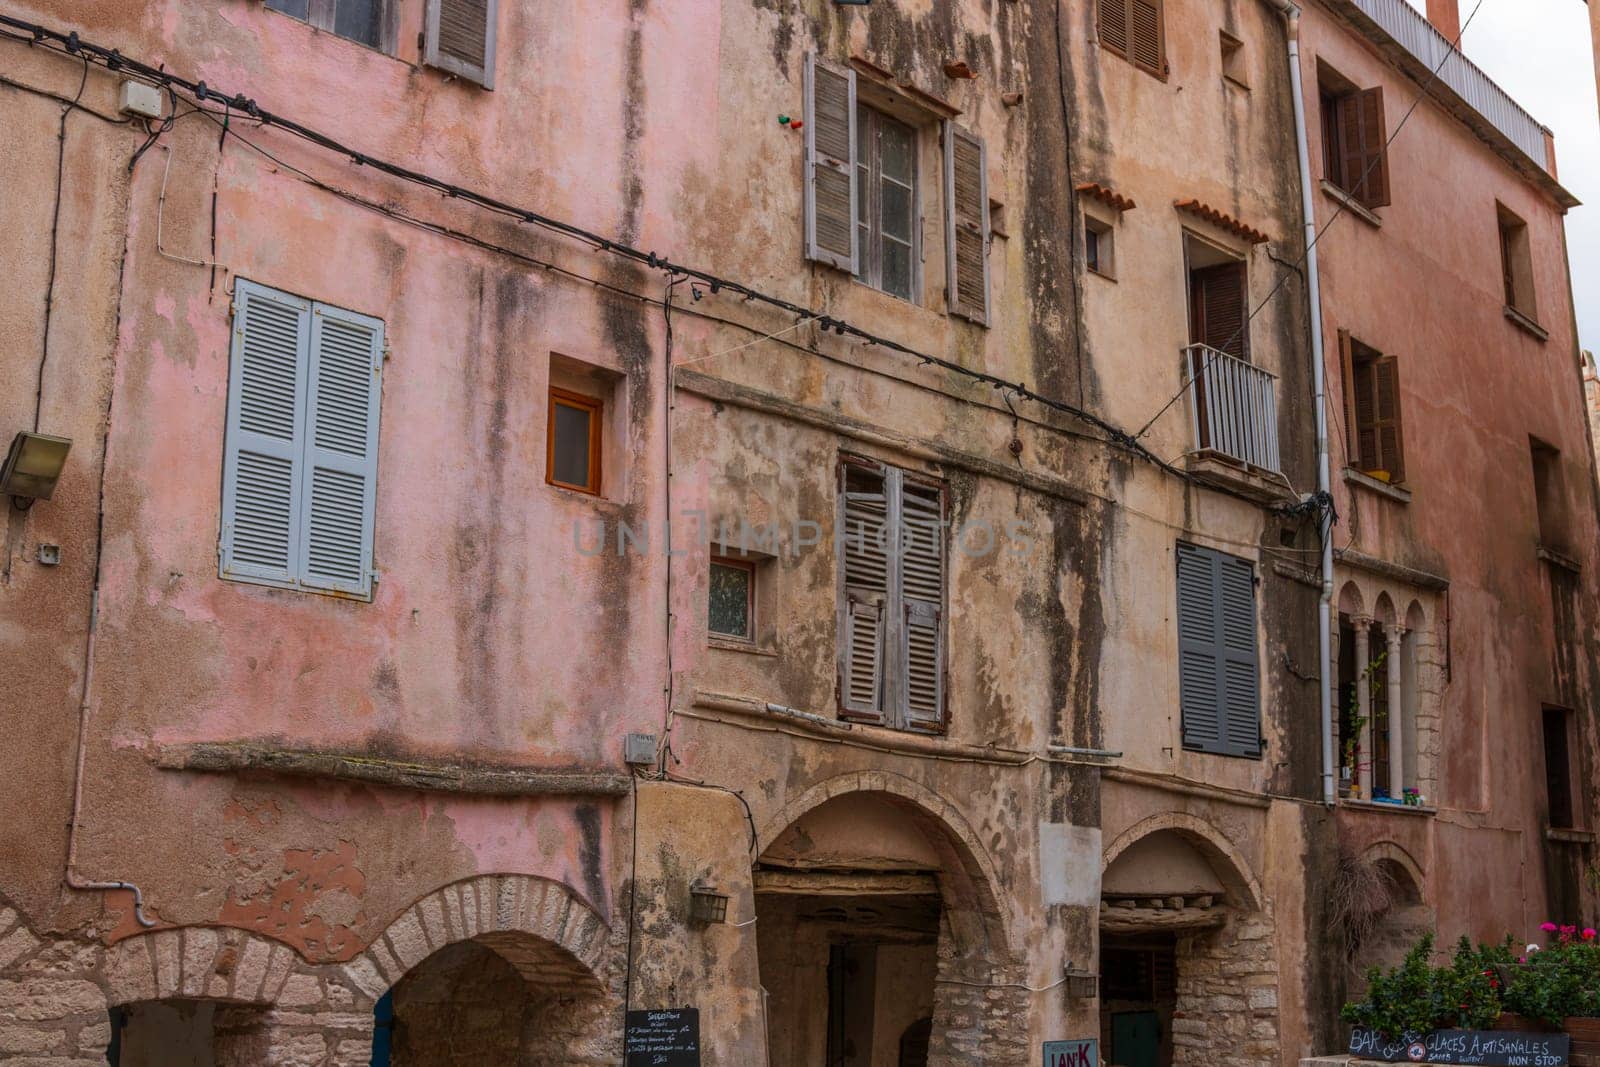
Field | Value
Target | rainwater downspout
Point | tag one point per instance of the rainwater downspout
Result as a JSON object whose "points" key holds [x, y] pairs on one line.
{"points": [[1291, 14]]}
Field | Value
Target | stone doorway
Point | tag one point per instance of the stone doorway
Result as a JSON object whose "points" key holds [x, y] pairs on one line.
{"points": [[1138, 997]]}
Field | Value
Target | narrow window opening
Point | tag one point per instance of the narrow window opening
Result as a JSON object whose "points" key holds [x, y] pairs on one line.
{"points": [[1099, 247], [732, 610], [574, 436], [886, 202], [1549, 495], [1516, 264], [1558, 767]]}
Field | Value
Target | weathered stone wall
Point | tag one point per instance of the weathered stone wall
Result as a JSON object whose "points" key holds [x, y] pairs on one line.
{"points": [[1227, 1010]]}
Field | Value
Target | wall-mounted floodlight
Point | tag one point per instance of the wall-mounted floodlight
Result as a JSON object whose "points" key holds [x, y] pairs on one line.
{"points": [[33, 465]]}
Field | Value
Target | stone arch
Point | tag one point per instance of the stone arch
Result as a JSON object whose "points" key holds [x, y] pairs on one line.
{"points": [[1230, 865], [542, 928], [224, 964], [1407, 873], [1416, 617], [1351, 602], [970, 873], [1383, 609]]}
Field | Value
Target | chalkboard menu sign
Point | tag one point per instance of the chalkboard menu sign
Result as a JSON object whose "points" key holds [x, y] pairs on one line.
{"points": [[664, 1037], [1492, 1048]]}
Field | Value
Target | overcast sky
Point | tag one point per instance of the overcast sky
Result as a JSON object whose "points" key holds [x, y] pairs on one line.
{"points": [[1541, 52]]}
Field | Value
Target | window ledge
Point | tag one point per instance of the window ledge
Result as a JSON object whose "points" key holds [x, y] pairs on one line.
{"points": [[1107, 275], [1559, 559], [1526, 323], [1397, 809], [1351, 204], [733, 644], [1376, 485], [1571, 836]]}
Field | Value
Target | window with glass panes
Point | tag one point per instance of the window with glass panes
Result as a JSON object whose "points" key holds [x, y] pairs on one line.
{"points": [[731, 612], [359, 20], [886, 202]]}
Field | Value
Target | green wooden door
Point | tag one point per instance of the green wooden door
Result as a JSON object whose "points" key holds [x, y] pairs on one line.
{"points": [[1136, 1039]]}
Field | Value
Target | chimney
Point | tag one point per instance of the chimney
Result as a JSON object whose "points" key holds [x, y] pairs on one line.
{"points": [[1446, 18]]}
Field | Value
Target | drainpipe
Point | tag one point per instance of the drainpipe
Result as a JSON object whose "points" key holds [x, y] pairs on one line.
{"points": [[1291, 14]]}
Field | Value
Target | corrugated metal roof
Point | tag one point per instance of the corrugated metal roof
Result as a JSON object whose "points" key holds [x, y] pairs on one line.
{"points": [[1411, 29]]}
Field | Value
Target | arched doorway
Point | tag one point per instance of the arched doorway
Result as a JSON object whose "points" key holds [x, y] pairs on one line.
{"points": [[1187, 971], [1387, 916], [879, 939]]}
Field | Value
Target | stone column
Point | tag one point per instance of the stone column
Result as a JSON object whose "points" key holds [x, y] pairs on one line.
{"points": [[1397, 719], [1362, 625]]}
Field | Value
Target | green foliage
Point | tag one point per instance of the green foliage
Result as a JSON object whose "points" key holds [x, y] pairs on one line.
{"points": [[1561, 980]]}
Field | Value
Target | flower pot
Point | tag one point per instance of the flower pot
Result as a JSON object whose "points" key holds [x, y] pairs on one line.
{"points": [[1585, 1034]]}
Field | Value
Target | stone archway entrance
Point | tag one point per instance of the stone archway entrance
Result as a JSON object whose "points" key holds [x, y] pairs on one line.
{"points": [[1187, 971], [879, 942]]}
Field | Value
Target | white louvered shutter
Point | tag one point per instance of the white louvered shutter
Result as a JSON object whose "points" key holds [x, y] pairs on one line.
{"points": [[339, 490], [830, 194], [922, 599], [864, 552], [966, 197], [262, 453], [1198, 682], [1241, 697], [458, 36]]}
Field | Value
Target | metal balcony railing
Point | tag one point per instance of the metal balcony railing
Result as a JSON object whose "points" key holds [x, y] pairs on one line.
{"points": [[1233, 407]]}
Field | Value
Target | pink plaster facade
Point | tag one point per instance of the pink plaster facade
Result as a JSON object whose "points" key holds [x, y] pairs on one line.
{"points": [[251, 757]]}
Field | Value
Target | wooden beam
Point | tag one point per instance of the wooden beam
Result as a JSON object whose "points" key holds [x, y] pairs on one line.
{"points": [[847, 883]]}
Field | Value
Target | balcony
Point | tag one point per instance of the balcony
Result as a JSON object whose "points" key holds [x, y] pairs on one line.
{"points": [[1233, 408]]}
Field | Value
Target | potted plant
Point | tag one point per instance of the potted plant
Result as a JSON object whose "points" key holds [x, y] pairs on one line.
{"points": [[1558, 985]]}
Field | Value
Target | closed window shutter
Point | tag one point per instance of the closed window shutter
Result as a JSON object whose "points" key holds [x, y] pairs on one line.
{"points": [[1368, 457], [341, 452], [830, 194], [966, 223], [922, 598], [1145, 44], [262, 454], [1241, 697], [1368, 106], [1113, 25], [459, 37], [1199, 654], [1219, 681], [864, 549], [1221, 310], [1386, 416]]}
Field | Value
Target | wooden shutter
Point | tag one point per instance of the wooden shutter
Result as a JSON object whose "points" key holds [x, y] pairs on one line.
{"points": [[966, 197], [1199, 681], [922, 576], [864, 552], [341, 451], [1364, 386], [1113, 24], [458, 36], [830, 195], [1218, 671], [262, 453], [1241, 696], [1146, 46], [1386, 416], [1220, 310], [1368, 106]]}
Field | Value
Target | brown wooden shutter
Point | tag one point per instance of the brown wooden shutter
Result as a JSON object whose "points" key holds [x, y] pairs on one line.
{"points": [[1364, 387], [864, 557], [1220, 310], [830, 196], [1386, 410], [1368, 107], [1113, 25], [1347, 368], [459, 37], [966, 224], [922, 581], [1145, 41]]}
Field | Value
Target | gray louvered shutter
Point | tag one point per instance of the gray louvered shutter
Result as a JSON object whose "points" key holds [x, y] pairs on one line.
{"points": [[966, 198], [864, 553], [830, 196], [1241, 697], [1199, 681], [458, 36], [262, 453], [339, 489], [922, 598]]}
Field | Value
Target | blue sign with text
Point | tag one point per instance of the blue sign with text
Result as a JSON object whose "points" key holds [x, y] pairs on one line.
{"points": [[1083, 1052]]}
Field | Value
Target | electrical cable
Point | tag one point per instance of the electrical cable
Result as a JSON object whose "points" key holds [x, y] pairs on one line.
{"points": [[1116, 437], [1372, 164], [55, 229]]}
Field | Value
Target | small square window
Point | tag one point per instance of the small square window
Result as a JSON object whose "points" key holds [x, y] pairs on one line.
{"points": [[1099, 247], [732, 610], [573, 460]]}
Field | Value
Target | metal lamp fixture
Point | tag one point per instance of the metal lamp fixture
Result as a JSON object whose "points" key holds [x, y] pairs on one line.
{"points": [[1081, 984], [33, 464], [706, 904]]}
